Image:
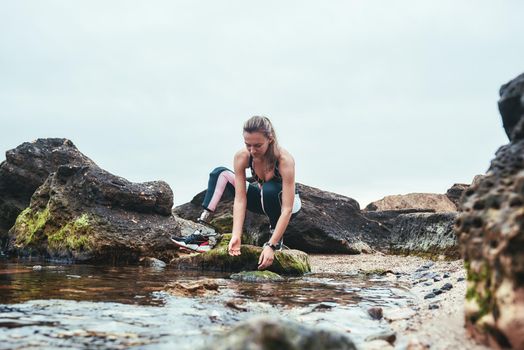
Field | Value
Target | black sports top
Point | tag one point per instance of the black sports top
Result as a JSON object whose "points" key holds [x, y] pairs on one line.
{"points": [[254, 175]]}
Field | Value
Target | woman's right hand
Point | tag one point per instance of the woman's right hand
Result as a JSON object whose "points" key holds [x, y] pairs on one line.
{"points": [[234, 246]]}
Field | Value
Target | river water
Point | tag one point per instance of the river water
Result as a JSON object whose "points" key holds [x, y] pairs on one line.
{"points": [[47, 305]]}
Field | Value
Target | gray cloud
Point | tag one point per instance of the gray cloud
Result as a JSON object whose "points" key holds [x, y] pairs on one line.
{"points": [[372, 98]]}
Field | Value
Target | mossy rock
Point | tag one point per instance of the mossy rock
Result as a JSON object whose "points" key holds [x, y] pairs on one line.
{"points": [[224, 223], [257, 276], [33, 231], [287, 262]]}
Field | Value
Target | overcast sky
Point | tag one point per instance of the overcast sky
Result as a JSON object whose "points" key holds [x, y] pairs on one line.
{"points": [[372, 98]]}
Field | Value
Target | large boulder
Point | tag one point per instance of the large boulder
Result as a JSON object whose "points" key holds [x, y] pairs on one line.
{"points": [[87, 214], [455, 192], [26, 168], [263, 333], [491, 233], [416, 232], [422, 201], [327, 223]]}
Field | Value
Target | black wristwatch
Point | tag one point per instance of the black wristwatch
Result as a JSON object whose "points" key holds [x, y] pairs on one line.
{"points": [[272, 246]]}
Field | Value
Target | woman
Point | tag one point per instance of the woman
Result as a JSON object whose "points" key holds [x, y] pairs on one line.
{"points": [[273, 193]]}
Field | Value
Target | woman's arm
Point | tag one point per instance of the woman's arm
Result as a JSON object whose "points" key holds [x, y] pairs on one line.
{"points": [[240, 204], [287, 171]]}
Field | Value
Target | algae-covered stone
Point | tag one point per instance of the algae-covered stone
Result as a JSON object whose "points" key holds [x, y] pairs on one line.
{"points": [[87, 214], [257, 276], [287, 262]]}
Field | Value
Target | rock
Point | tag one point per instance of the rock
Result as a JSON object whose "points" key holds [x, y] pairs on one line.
{"points": [[236, 305], [416, 344], [455, 192], [437, 291], [433, 306], [446, 275], [256, 276], [327, 223], [460, 279], [85, 213], [192, 288], [491, 235], [26, 168], [375, 313], [153, 262], [447, 286], [287, 262], [511, 107], [430, 202], [425, 266], [430, 295], [388, 336], [272, 333], [419, 233]]}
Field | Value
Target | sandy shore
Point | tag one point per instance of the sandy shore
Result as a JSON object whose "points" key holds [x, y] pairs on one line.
{"points": [[419, 327]]}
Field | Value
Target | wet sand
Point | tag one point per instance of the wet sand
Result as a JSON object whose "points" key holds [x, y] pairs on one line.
{"points": [[418, 327]]}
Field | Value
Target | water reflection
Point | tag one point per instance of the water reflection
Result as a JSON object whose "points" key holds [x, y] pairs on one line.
{"points": [[108, 307]]}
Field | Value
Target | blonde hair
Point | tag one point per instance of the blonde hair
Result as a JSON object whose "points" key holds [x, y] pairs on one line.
{"points": [[263, 125]]}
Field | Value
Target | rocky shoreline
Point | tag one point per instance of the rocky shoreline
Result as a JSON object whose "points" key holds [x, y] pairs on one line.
{"points": [[430, 323]]}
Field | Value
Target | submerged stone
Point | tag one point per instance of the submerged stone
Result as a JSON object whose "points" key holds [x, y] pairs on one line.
{"points": [[192, 288], [256, 276]]}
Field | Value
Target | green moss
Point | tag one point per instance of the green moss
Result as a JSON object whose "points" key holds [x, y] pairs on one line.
{"points": [[224, 240], [29, 226], [291, 264], [224, 223], [257, 276], [73, 236], [479, 290]]}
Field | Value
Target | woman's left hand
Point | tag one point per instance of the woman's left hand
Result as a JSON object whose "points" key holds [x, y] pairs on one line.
{"points": [[266, 258]]}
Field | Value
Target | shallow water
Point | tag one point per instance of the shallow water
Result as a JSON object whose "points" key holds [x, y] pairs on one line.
{"points": [[86, 307]]}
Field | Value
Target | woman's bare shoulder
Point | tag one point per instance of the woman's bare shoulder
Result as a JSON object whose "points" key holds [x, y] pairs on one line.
{"points": [[242, 157], [285, 158]]}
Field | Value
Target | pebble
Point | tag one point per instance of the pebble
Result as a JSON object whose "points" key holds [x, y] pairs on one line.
{"points": [[437, 279], [447, 286], [460, 279], [428, 283], [214, 316], [433, 306], [375, 313], [437, 291], [388, 336], [428, 265], [446, 275], [430, 296]]}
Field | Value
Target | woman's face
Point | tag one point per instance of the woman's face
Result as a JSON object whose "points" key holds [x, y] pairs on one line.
{"points": [[256, 143]]}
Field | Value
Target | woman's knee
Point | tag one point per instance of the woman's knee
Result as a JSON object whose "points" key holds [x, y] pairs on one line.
{"points": [[215, 173]]}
